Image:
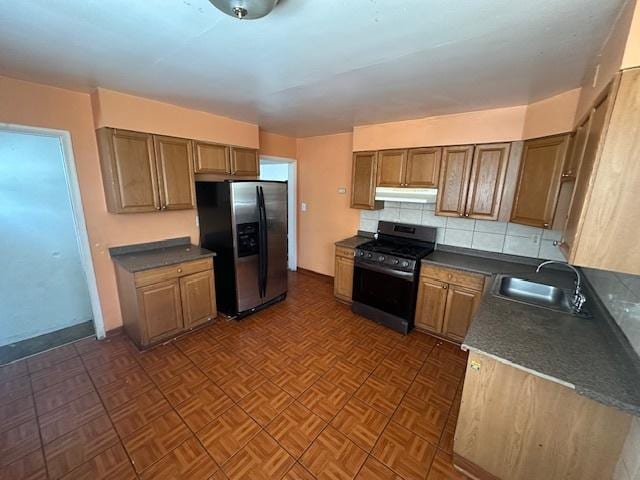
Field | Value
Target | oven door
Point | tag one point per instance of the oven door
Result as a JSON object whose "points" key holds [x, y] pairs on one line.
{"points": [[390, 291]]}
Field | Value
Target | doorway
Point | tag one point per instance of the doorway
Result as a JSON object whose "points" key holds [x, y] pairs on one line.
{"points": [[284, 169], [48, 294]]}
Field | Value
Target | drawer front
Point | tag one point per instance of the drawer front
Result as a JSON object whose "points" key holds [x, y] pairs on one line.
{"points": [[454, 277], [162, 274], [344, 252]]}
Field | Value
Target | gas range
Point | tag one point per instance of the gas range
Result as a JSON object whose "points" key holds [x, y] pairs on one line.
{"points": [[386, 273]]}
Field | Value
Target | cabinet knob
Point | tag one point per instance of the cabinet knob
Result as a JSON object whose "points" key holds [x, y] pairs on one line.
{"points": [[158, 207], [558, 243], [179, 270], [445, 286], [466, 214], [461, 214], [546, 225]]}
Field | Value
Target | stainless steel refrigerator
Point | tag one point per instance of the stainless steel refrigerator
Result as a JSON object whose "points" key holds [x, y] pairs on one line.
{"points": [[245, 223]]}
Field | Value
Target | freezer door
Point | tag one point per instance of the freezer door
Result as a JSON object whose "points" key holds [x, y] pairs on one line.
{"points": [[245, 215], [275, 204]]}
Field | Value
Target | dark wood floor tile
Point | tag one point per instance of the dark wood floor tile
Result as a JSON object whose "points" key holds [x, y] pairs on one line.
{"points": [[188, 461], [360, 423], [62, 393], [111, 464], [261, 459], [364, 358], [13, 370], [399, 376], [219, 365], [73, 449], [324, 399], [70, 416], [404, 452], [265, 402], [107, 347], [204, 407], [296, 428], [14, 389], [18, 442], [17, 412], [57, 373], [425, 418], [446, 439], [150, 443], [99, 367], [426, 388], [333, 456], [241, 381], [228, 433], [28, 467], [319, 360], [401, 357], [442, 468], [51, 357], [138, 412], [374, 470], [127, 387], [197, 342], [164, 362], [382, 395], [179, 388], [298, 472]]}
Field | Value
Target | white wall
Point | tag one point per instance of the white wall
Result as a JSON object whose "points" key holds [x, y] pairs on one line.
{"points": [[485, 235], [42, 287]]}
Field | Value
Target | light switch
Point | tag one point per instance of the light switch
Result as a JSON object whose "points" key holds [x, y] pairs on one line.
{"points": [[342, 190], [303, 206]]}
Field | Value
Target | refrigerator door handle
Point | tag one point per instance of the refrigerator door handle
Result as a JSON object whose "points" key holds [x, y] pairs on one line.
{"points": [[265, 242], [260, 244]]}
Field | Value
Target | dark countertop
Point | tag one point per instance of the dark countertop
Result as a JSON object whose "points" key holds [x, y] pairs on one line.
{"points": [[145, 256], [590, 355], [355, 241]]}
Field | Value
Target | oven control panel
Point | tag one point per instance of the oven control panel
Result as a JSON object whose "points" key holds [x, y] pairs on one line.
{"points": [[385, 260]]}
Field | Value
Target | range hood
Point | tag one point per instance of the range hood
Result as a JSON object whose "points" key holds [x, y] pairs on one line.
{"points": [[412, 195]]}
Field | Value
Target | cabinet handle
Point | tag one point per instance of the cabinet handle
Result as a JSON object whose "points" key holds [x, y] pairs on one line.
{"points": [[567, 174], [157, 207], [461, 214], [466, 214], [546, 225], [558, 243], [445, 286], [179, 270]]}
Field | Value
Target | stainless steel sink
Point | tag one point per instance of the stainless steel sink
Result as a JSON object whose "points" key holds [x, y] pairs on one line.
{"points": [[538, 294]]}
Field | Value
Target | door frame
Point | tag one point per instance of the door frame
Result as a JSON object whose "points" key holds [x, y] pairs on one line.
{"points": [[73, 189], [292, 211]]}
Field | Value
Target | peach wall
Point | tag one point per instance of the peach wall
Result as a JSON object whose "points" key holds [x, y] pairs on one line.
{"points": [[274, 145], [39, 105], [631, 57], [324, 165], [115, 109], [551, 115]]}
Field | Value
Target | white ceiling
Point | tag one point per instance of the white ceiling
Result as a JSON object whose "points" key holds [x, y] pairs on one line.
{"points": [[312, 66]]}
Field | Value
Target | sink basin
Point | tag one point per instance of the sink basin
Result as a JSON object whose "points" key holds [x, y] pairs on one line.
{"points": [[538, 294]]}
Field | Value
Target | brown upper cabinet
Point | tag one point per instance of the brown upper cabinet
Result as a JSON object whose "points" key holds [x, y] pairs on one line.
{"points": [[416, 167], [143, 173], [539, 181], [224, 160], [363, 181], [472, 180], [603, 223], [212, 158]]}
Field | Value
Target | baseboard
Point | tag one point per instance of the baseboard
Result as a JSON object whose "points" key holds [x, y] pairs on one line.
{"points": [[470, 469]]}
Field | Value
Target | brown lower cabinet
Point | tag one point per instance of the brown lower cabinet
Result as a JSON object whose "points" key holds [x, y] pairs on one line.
{"points": [[447, 301], [343, 277], [160, 303]]}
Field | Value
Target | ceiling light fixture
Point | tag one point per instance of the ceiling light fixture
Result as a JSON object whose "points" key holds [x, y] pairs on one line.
{"points": [[245, 9]]}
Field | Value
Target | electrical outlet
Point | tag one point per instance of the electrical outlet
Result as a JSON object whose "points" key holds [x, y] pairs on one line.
{"points": [[342, 190], [303, 206]]}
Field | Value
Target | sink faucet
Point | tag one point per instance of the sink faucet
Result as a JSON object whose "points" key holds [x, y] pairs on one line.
{"points": [[578, 297]]}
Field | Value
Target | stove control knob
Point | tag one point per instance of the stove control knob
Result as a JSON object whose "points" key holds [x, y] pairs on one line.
{"points": [[368, 255], [361, 254], [381, 258], [396, 261], [405, 264]]}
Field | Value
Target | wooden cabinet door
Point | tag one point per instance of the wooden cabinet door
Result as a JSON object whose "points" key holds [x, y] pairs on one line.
{"points": [[453, 183], [392, 165], [595, 133], [487, 181], [212, 158], [430, 306], [244, 162], [574, 157], [134, 168], [539, 181], [174, 157], [423, 167], [462, 304], [198, 298], [343, 280], [160, 310], [363, 181]]}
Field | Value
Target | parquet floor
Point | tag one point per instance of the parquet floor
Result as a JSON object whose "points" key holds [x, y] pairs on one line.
{"points": [[303, 390]]}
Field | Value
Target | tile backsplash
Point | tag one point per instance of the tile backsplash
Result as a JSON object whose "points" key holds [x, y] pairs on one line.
{"points": [[485, 235]]}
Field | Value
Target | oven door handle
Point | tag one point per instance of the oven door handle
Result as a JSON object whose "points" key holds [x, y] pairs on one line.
{"points": [[392, 273]]}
